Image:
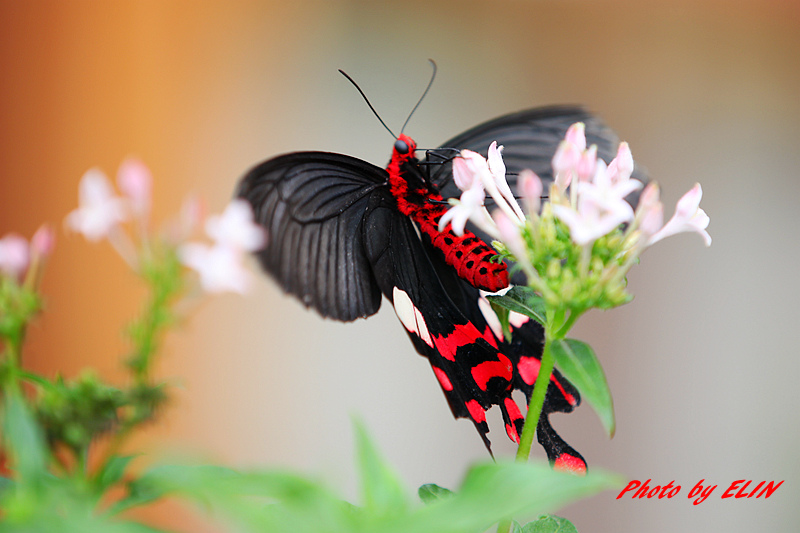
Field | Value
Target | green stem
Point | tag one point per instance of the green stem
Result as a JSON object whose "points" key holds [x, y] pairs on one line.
{"points": [[567, 325], [536, 402]]}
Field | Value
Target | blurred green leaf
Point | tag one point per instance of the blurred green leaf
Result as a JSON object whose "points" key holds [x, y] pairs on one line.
{"points": [[24, 438], [431, 492], [381, 489], [579, 364], [496, 491], [521, 300], [549, 524], [112, 471]]}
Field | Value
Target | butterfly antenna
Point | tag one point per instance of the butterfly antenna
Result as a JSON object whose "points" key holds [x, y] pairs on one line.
{"points": [[428, 88], [364, 96]]}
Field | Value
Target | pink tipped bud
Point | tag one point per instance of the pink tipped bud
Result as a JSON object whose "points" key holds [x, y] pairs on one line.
{"points": [[587, 164], [530, 186], [43, 241], [576, 134], [136, 182], [621, 167]]}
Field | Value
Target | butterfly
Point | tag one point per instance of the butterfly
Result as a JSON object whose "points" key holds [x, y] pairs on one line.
{"points": [[345, 233]]}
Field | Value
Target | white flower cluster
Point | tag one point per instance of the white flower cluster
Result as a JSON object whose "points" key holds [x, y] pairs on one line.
{"points": [[220, 266]]}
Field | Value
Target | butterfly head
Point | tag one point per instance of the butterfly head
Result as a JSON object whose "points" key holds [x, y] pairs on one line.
{"points": [[404, 147]]}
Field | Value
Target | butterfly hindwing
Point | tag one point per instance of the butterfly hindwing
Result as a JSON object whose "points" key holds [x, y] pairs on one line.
{"points": [[472, 372], [312, 204]]}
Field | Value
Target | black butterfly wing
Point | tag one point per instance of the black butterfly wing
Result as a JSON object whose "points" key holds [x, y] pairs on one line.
{"points": [[312, 205], [530, 139]]}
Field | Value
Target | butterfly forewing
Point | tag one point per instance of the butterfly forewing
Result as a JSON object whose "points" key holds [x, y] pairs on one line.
{"points": [[312, 204]]}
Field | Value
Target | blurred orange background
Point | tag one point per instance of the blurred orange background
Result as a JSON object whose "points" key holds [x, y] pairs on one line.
{"points": [[703, 363]]}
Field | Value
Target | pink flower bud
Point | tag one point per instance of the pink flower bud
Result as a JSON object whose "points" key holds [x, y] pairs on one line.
{"points": [[587, 164], [530, 186], [576, 134], [43, 241], [621, 167], [136, 182]]}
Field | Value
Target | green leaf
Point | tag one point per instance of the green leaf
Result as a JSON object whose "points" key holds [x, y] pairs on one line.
{"points": [[381, 488], [549, 524], [112, 471], [431, 492], [577, 361], [502, 315], [522, 300], [24, 438]]}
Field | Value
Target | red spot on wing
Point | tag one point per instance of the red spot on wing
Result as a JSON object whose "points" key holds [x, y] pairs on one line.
{"points": [[476, 411], [571, 464], [443, 379], [512, 409], [488, 334], [514, 415], [463, 335], [511, 431], [487, 370], [528, 368]]}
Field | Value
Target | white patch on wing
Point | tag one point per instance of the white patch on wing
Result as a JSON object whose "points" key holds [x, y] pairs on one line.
{"points": [[490, 316], [410, 316], [517, 319]]}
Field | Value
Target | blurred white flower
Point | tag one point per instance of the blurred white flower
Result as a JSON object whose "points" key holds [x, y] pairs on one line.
{"points": [[235, 228], [99, 209], [14, 255], [221, 268]]}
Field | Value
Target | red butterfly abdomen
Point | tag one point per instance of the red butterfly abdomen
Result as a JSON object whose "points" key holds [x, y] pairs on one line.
{"points": [[469, 255]]}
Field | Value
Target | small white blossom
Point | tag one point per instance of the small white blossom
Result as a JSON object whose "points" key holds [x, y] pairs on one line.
{"points": [[99, 209], [688, 217]]}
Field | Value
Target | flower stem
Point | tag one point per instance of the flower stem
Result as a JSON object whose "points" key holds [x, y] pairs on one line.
{"points": [[536, 402]]}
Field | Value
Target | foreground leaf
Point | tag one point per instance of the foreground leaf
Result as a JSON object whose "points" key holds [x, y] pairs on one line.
{"points": [[431, 492], [549, 524]]}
